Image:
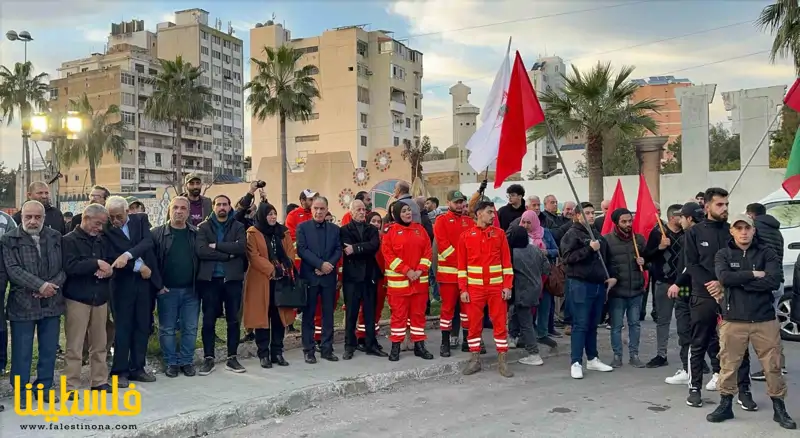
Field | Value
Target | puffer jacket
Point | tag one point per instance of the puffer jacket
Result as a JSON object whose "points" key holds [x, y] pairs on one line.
{"points": [[768, 230], [629, 275]]}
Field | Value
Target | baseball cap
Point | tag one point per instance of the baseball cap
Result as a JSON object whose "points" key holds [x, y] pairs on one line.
{"points": [[741, 217], [455, 195], [308, 193], [691, 209], [192, 176]]}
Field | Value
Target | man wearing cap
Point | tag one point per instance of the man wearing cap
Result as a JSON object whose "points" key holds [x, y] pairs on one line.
{"points": [[199, 205], [135, 205], [300, 215], [447, 231], [749, 271]]}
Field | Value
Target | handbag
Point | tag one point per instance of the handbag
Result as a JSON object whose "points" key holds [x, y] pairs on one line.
{"points": [[291, 291], [556, 280]]}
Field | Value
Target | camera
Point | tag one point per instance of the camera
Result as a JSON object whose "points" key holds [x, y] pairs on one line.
{"points": [[261, 184]]}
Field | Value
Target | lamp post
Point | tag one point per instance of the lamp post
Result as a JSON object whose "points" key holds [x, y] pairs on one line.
{"points": [[51, 127], [24, 37]]}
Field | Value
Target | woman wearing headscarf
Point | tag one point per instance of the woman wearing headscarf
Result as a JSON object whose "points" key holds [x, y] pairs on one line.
{"points": [[530, 266], [374, 219], [270, 253], [406, 249], [542, 239]]}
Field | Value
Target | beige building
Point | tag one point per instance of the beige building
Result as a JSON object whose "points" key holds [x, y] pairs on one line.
{"points": [[371, 88]]}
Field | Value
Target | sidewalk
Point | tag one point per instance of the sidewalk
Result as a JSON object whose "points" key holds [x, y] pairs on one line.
{"points": [[189, 407]]}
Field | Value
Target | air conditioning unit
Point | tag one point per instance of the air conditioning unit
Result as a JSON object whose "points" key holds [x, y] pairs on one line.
{"points": [[368, 73], [364, 125]]}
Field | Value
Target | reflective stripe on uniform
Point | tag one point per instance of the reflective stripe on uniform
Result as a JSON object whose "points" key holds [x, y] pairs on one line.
{"points": [[395, 263], [446, 253], [447, 270]]}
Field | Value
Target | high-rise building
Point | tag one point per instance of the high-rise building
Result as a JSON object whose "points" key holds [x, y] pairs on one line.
{"points": [[662, 90], [220, 55], [371, 94], [545, 74]]}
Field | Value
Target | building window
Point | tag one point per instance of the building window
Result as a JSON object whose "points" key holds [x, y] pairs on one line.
{"points": [[204, 50], [226, 73], [226, 44], [216, 84], [364, 119], [227, 101], [362, 48], [139, 68], [227, 114], [217, 127], [128, 99], [363, 95], [312, 49], [416, 124], [236, 48], [226, 59], [398, 72], [54, 93], [204, 80], [216, 55], [215, 39], [127, 79], [206, 130], [152, 72], [158, 159], [362, 70], [408, 122], [364, 140], [216, 70], [203, 34], [203, 65], [416, 102], [306, 138], [237, 103], [396, 141], [237, 89], [237, 76], [217, 98], [227, 86], [237, 62], [128, 173], [128, 118]]}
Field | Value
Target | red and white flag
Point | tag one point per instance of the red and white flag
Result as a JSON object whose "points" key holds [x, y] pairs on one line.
{"points": [[485, 142]]}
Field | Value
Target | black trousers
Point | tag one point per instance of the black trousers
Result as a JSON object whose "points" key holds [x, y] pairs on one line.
{"points": [[705, 340], [3, 346], [683, 323], [456, 318], [131, 309], [356, 295], [326, 295], [216, 295], [270, 340]]}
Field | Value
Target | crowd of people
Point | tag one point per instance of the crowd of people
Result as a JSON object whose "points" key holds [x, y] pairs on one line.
{"points": [[526, 270]]}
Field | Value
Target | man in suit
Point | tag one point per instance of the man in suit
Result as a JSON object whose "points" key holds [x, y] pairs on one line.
{"points": [[98, 195], [319, 248], [130, 245]]}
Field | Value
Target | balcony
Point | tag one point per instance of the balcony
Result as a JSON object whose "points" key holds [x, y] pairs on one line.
{"points": [[397, 107]]}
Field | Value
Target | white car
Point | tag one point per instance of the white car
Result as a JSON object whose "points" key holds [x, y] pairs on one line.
{"points": [[787, 211]]}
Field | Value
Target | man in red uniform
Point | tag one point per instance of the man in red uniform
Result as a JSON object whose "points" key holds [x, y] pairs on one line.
{"points": [[298, 216], [363, 197], [485, 277], [447, 230]]}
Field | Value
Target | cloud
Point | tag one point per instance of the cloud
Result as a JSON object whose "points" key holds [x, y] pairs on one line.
{"points": [[40, 14], [95, 35], [10, 145]]}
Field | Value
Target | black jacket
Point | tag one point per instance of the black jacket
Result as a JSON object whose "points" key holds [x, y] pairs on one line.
{"points": [[745, 297], [314, 253], [81, 253], [53, 218], [3, 286], [768, 230], [162, 242], [426, 223], [664, 263], [581, 262], [362, 265], [231, 251], [622, 259], [507, 213], [554, 223], [140, 245], [702, 242]]}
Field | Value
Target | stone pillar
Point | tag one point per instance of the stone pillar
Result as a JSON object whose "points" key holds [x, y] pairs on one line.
{"points": [[752, 111], [649, 150], [694, 103]]}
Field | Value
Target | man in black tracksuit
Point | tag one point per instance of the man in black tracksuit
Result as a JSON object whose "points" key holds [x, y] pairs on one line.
{"points": [[702, 242]]}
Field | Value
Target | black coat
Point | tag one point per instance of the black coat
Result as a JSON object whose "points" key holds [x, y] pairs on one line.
{"points": [[3, 285], [162, 242], [81, 253], [53, 218], [140, 245], [701, 244], [313, 253], [622, 259], [581, 262], [231, 251], [362, 264], [747, 298], [768, 230]]}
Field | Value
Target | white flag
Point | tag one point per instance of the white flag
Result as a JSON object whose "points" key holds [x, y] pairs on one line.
{"points": [[485, 142]]}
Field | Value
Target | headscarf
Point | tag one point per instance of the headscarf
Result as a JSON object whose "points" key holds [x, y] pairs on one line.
{"points": [[536, 234], [517, 237], [397, 207], [273, 234], [372, 214]]}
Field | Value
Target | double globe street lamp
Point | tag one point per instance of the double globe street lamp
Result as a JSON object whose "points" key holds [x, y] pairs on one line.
{"points": [[23, 36], [54, 127]]}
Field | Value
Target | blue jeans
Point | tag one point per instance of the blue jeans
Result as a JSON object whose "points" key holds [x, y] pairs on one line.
{"points": [[22, 350], [178, 310], [618, 308], [586, 304], [543, 315], [567, 309]]}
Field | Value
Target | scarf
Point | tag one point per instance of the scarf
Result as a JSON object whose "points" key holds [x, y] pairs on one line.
{"points": [[536, 234], [625, 236], [397, 207], [273, 234]]}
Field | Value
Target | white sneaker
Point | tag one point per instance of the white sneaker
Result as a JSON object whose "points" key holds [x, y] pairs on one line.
{"points": [[712, 384], [576, 370], [533, 359], [512, 343], [455, 341], [596, 365], [681, 377]]}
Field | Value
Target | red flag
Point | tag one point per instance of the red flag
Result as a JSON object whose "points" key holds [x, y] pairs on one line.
{"points": [[522, 112], [792, 99], [646, 212], [617, 201]]}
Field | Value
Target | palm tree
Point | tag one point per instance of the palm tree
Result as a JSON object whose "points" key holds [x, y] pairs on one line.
{"points": [[178, 98], [596, 105], [282, 89], [782, 19], [102, 136], [415, 154], [22, 93]]}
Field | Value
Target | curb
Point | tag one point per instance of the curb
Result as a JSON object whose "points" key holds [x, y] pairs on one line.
{"points": [[196, 424]]}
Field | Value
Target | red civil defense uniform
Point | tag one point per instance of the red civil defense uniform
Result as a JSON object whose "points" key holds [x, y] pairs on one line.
{"points": [[293, 219], [407, 248], [447, 231], [484, 270]]}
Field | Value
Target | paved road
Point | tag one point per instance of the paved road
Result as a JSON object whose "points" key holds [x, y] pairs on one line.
{"points": [[538, 401]]}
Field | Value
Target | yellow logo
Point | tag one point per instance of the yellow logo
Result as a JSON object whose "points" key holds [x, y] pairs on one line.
{"points": [[94, 402]]}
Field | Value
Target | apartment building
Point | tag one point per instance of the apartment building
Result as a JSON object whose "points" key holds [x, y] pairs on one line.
{"points": [[545, 74], [371, 94], [220, 55], [662, 89]]}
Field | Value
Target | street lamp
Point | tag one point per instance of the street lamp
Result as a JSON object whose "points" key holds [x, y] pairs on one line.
{"points": [[23, 36], [52, 127]]}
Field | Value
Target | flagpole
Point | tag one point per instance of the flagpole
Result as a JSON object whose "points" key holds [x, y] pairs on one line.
{"points": [[763, 137], [574, 193], [482, 188]]}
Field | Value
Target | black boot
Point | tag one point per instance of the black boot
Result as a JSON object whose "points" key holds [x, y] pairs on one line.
{"points": [[394, 355], [444, 350], [483, 347], [780, 415], [464, 343], [265, 362], [421, 351], [724, 411]]}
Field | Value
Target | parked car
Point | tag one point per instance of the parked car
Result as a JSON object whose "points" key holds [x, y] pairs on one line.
{"points": [[787, 211]]}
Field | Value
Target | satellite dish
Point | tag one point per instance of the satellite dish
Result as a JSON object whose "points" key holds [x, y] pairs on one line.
{"points": [[259, 25], [270, 22]]}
